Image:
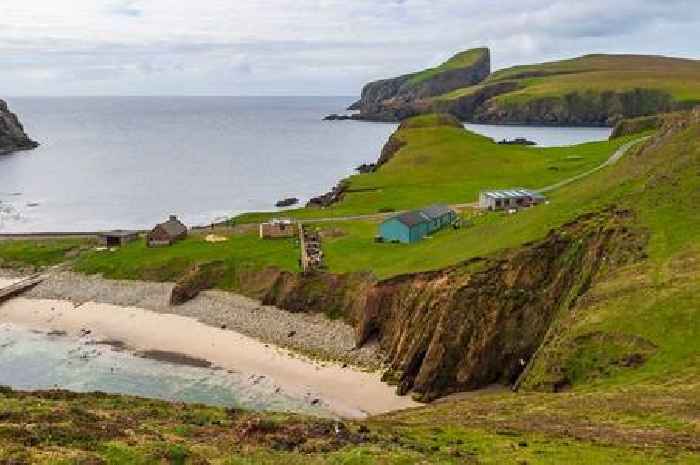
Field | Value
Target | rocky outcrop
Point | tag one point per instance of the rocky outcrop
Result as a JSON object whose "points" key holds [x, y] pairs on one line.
{"points": [[475, 323], [577, 109], [12, 135], [466, 106], [399, 98]]}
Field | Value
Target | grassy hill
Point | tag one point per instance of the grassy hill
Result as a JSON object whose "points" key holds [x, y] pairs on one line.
{"points": [[624, 358], [593, 89]]}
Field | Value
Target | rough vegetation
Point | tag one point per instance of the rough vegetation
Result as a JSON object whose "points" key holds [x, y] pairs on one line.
{"points": [[12, 135]]}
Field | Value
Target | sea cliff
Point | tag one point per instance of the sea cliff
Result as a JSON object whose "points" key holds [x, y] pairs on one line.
{"points": [[12, 135]]}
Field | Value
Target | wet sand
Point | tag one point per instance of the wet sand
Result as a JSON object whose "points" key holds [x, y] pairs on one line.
{"points": [[346, 391]]}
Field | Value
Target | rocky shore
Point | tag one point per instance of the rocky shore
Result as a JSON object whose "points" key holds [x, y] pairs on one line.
{"points": [[308, 333], [12, 135]]}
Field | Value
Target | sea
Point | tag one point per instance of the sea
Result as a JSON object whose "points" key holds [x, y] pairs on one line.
{"points": [[129, 162]]}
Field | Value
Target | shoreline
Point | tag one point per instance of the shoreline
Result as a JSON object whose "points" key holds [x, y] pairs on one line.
{"points": [[309, 334], [346, 391]]}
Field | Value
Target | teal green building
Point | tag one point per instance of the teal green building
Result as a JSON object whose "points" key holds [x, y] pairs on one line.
{"points": [[413, 226]]}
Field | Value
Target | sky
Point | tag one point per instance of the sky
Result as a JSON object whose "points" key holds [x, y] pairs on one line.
{"points": [[307, 47]]}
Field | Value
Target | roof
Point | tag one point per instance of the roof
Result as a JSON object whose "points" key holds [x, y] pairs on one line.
{"points": [[517, 192], [425, 215], [436, 211], [173, 227], [413, 218], [118, 233]]}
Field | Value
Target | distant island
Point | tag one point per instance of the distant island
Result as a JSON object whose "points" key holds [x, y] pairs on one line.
{"points": [[592, 90], [12, 135]]}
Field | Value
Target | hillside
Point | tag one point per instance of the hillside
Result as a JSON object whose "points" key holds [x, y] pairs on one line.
{"points": [[12, 135], [588, 90], [390, 99], [588, 304]]}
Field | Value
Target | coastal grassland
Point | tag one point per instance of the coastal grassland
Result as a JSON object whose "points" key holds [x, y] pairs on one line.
{"points": [[450, 165], [242, 251], [680, 78], [36, 254], [458, 61], [645, 315], [64, 428]]}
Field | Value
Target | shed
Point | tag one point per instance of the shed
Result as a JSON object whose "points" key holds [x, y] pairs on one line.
{"points": [[277, 229], [167, 233], [413, 226], [509, 198], [118, 237]]}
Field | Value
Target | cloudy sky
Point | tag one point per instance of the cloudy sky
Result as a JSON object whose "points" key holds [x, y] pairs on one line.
{"points": [[306, 47]]}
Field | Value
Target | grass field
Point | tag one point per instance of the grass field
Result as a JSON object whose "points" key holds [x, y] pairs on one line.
{"points": [[597, 73], [240, 252]]}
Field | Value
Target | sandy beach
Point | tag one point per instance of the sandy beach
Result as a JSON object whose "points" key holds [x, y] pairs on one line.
{"points": [[347, 392]]}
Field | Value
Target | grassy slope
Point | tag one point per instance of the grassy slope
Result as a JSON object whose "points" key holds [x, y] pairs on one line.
{"points": [[614, 414], [679, 77], [62, 429], [460, 60], [445, 164]]}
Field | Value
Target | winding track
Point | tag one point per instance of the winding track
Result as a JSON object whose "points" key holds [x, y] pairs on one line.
{"points": [[614, 158]]}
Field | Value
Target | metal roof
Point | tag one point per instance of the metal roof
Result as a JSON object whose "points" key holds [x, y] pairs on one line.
{"points": [[425, 215], [514, 193], [413, 218], [436, 211]]}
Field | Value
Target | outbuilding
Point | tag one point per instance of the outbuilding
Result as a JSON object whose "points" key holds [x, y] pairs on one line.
{"points": [[509, 198], [116, 238], [413, 226], [278, 229], [167, 233]]}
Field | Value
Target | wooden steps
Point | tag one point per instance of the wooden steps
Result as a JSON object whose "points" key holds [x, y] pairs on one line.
{"points": [[20, 287]]}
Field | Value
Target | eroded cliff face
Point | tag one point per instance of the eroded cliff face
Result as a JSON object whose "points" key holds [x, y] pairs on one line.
{"points": [[473, 324], [405, 96], [12, 135], [579, 108]]}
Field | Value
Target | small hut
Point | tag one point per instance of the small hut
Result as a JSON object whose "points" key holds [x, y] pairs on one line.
{"points": [[509, 198], [278, 229], [117, 238], [165, 234]]}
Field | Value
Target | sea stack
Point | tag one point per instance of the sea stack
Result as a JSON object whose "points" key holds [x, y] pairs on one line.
{"points": [[12, 135]]}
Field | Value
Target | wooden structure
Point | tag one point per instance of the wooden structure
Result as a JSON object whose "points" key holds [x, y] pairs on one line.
{"points": [[277, 229], [165, 234], [413, 226], [18, 288], [509, 198], [117, 237]]}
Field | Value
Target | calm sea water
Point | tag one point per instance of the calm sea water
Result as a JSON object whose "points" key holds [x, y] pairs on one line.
{"points": [[128, 162], [31, 360], [545, 136]]}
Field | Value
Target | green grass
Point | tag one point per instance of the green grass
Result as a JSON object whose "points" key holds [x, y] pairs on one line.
{"points": [[458, 61], [451, 165], [495, 429], [597, 73], [35, 254], [240, 253]]}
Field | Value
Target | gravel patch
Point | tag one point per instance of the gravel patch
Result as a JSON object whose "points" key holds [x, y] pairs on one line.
{"points": [[310, 334]]}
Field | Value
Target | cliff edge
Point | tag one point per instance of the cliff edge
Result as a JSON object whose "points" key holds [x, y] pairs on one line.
{"points": [[398, 98], [12, 135]]}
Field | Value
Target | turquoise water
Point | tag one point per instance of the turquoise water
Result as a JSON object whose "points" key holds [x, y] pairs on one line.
{"points": [[31, 360]]}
